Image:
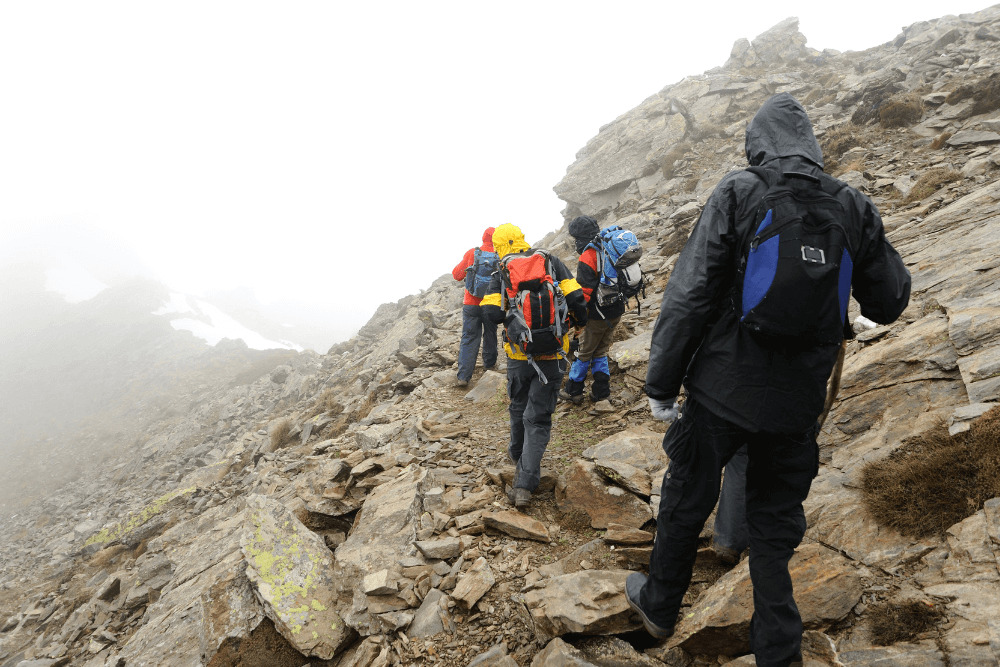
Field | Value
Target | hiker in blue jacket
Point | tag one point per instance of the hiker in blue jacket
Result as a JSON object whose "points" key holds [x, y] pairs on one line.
{"points": [[743, 390]]}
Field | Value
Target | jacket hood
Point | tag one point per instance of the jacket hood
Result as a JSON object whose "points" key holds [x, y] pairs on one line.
{"points": [[509, 238], [781, 129], [488, 240]]}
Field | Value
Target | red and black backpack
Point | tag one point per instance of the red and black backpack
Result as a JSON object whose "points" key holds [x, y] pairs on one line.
{"points": [[536, 307]]}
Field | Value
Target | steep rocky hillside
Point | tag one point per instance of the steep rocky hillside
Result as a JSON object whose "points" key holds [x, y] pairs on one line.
{"points": [[349, 510], [82, 381]]}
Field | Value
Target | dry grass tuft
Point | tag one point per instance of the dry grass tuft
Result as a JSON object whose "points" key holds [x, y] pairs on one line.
{"points": [[985, 94], [108, 556], [902, 622], [901, 110], [838, 140], [278, 432], [931, 181], [935, 480], [939, 140], [678, 152]]}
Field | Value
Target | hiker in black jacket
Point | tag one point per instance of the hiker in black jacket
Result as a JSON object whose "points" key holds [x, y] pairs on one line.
{"points": [[743, 391]]}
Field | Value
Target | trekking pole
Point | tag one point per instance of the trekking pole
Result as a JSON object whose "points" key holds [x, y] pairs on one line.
{"points": [[834, 388]]}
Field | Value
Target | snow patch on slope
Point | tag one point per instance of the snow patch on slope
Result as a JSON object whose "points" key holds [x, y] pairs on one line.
{"points": [[212, 325]]}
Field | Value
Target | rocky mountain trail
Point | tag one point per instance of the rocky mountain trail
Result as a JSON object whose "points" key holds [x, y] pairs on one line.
{"points": [[350, 509]]}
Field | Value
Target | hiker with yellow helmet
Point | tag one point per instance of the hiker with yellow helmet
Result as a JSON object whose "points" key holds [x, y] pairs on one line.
{"points": [[538, 300]]}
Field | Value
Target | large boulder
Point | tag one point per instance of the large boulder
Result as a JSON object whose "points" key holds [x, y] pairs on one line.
{"points": [[827, 586], [583, 489], [637, 446], [293, 576], [589, 602]]}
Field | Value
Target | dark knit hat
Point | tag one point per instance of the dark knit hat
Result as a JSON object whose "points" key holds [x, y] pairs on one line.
{"points": [[583, 229]]}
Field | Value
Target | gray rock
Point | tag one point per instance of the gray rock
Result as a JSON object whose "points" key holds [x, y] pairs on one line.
{"points": [[443, 549], [587, 602], [962, 418], [495, 657], [432, 617], [626, 476], [581, 489], [898, 655], [387, 525], [557, 653], [827, 586], [972, 137], [490, 386], [517, 525], [474, 584], [636, 446], [383, 582]]}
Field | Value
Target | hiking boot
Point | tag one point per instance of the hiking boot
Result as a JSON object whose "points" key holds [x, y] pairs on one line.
{"points": [[572, 392], [633, 584], [575, 399], [462, 383], [518, 497], [726, 556], [601, 387]]}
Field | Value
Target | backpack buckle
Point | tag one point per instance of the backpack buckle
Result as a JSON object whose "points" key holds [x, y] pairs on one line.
{"points": [[813, 255]]}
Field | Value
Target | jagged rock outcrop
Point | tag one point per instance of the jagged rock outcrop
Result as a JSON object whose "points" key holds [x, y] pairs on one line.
{"points": [[394, 476]]}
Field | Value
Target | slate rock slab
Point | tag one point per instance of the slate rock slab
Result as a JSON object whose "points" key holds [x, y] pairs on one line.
{"points": [[474, 584], [626, 476], [637, 446], [517, 525], [589, 602], [292, 573], [827, 586], [490, 386], [582, 489]]}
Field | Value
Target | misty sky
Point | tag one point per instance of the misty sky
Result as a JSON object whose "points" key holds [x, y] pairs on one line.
{"points": [[342, 154]]}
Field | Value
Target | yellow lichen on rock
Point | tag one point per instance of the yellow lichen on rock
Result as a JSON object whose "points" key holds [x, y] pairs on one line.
{"points": [[133, 521]]}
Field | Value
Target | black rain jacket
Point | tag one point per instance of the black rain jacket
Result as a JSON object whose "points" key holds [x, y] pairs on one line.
{"points": [[698, 340]]}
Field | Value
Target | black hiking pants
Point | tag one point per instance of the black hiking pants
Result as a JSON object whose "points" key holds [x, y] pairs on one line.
{"points": [[531, 406], [780, 471]]}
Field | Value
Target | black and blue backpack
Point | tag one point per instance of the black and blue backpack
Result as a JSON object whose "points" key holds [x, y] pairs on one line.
{"points": [[794, 277], [479, 275], [618, 253]]}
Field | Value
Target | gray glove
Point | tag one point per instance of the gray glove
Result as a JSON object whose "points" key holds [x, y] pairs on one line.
{"points": [[665, 411]]}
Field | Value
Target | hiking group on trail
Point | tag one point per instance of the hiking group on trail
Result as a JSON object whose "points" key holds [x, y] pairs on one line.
{"points": [[751, 324]]}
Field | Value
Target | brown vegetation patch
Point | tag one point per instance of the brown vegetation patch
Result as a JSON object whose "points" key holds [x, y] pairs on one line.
{"points": [[985, 94], [935, 480], [678, 152], [939, 140], [872, 100], [279, 432], [893, 622], [263, 648], [901, 111], [840, 139], [931, 181], [107, 557]]}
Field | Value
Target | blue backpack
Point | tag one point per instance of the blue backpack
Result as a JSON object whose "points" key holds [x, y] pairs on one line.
{"points": [[480, 274], [794, 278], [618, 253]]}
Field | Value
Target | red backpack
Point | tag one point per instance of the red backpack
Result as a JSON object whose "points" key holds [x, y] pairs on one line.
{"points": [[539, 309]]}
